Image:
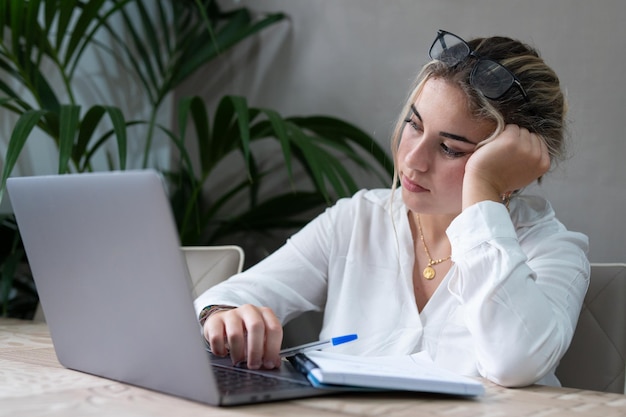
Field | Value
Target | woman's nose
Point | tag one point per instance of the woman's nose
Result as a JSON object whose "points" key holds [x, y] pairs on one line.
{"points": [[419, 155]]}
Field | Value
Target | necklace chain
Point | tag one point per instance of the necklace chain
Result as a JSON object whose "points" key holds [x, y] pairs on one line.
{"points": [[429, 272]]}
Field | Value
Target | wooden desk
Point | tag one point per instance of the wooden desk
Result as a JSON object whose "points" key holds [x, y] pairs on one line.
{"points": [[33, 383]]}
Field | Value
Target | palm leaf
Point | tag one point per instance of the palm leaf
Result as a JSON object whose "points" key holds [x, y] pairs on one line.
{"points": [[68, 120], [24, 125], [119, 131], [88, 126], [281, 130], [231, 129], [338, 131], [195, 107], [280, 212], [209, 42]]}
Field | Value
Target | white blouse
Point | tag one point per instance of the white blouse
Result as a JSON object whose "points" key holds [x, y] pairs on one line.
{"points": [[506, 310]]}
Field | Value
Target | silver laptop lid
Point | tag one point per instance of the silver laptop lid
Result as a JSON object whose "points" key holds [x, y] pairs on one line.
{"points": [[105, 256]]}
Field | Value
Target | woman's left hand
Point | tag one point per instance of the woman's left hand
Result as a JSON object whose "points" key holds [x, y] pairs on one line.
{"points": [[510, 161]]}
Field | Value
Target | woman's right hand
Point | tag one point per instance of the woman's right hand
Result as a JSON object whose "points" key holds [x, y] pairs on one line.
{"points": [[250, 334], [508, 162]]}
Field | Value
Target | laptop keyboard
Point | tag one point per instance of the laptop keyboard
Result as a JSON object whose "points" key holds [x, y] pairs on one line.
{"points": [[232, 380]]}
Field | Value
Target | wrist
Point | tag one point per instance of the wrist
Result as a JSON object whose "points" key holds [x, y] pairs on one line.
{"points": [[477, 191], [207, 311]]}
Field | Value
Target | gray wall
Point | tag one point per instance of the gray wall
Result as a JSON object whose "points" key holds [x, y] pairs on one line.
{"points": [[355, 59]]}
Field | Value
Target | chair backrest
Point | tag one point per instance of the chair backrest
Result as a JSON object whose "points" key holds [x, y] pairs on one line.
{"points": [[210, 265], [596, 358]]}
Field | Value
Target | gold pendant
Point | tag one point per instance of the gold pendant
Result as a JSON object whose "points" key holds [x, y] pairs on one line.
{"points": [[429, 273]]}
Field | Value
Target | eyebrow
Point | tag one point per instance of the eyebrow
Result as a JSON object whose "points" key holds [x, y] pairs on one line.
{"points": [[444, 134]]}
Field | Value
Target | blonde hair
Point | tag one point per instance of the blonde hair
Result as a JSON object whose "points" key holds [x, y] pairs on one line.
{"points": [[542, 113]]}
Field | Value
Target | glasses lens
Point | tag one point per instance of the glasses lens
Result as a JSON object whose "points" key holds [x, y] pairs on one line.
{"points": [[491, 78], [449, 48]]}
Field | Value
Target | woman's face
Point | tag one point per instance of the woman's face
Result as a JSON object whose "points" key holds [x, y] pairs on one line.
{"points": [[437, 140]]}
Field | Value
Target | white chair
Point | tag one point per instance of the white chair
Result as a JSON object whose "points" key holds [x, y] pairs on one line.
{"points": [[210, 265], [596, 358]]}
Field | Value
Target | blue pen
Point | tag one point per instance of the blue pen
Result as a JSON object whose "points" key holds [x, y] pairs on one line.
{"points": [[321, 344]]}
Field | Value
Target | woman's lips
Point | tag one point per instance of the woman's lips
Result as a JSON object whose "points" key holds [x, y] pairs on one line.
{"points": [[412, 187]]}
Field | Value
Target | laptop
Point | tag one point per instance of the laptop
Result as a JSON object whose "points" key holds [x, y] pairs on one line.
{"points": [[114, 288]]}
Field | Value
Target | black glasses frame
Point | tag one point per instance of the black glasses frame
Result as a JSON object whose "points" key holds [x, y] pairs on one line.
{"points": [[483, 67]]}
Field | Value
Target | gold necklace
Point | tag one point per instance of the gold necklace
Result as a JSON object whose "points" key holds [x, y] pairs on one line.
{"points": [[429, 272]]}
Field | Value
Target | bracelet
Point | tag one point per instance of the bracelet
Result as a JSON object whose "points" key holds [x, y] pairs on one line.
{"points": [[208, 310]]}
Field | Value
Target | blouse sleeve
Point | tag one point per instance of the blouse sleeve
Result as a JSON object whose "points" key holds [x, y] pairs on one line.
{"points": [[522, 289], [291, 280]]}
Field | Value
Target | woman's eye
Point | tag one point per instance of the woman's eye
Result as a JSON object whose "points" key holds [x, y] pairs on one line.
{"points": [[413, 124], [451, 152]]}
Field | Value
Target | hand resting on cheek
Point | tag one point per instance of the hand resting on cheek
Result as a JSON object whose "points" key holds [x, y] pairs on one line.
{"points": [[510, 161]]}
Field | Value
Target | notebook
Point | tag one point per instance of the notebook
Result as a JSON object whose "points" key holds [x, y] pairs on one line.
{"points": [[114, 288], [416, 372]]}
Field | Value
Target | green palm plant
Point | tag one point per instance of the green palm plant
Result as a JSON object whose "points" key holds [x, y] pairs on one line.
{"points": [[162, 43], [166, 47], [41, 46], [320, 145], [40, 42], [36, 50], [170, 42]]}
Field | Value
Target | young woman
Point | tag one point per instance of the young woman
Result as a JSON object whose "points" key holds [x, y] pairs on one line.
{"points": [[456, 262]]}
